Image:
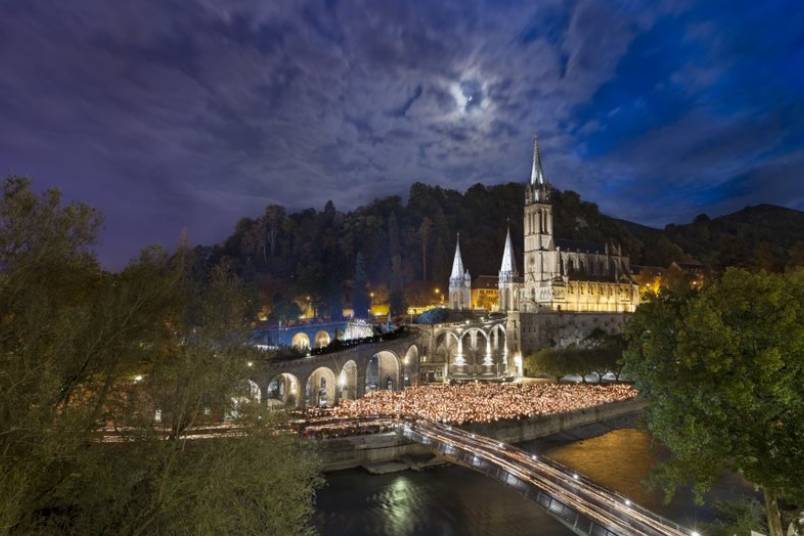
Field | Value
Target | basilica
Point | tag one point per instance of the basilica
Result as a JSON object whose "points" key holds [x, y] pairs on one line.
{"points": [[559, 275], [568, 290]]}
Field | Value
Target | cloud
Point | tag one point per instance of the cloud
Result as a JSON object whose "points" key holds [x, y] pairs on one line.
{"points": [[193, 114]]}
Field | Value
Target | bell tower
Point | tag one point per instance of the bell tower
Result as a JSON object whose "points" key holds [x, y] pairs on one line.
{"points": [[541, 265]]}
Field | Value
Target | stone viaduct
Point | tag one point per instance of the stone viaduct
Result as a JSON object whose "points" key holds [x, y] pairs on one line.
{"points": [[328, 378]]}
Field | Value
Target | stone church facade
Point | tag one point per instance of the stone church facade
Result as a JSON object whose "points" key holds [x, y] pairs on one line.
{"points": [[567, 290], [559, 275]]}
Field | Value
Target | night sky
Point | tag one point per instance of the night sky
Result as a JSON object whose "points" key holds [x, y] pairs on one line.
{"points": [[186, 113]]}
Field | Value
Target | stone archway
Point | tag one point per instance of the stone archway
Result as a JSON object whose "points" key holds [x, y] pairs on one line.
{"points": [[383, 372], [499, 345], [300, 341], [247, 392], [253, 390], [347, 381], [410, 365], [322, 339], [283, 390], [483, 352], [320, 390]]}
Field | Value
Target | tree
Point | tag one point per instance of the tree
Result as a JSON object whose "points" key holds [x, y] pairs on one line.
{"points": [[397, 294], [360, 296], [84, 353], [284, 309], [424, 235], [722, 369], [796, 256], [274, 219], [599, 353]]}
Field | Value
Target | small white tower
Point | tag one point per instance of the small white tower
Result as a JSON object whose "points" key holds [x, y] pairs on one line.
{"points": [[460, 282], [507, 284]]}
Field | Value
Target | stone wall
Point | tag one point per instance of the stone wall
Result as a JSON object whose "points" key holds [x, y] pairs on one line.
{"points": [[350, 452], [554, 328], [537, 427]]}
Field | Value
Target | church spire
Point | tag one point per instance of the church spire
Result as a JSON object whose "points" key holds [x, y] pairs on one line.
{"points": [[536, 172], [457, 263], [508, 266]]}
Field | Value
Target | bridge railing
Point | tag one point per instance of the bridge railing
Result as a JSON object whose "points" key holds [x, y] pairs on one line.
{"points": [[338, 345], [341, 345], [585, 480], [624, 500], [567, 515]]}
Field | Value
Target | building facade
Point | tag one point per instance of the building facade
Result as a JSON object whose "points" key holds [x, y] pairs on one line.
{"points": [[567, 290], [559, 275], [485, 293]]}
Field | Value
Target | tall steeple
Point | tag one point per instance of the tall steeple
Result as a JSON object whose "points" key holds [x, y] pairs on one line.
{"points": [[460, 282], [508, 266], [540, 253], [536, 172], [507, 286], [457, 262]]}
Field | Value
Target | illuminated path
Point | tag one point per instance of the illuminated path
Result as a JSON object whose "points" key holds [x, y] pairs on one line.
{"points": [[588, 509]]}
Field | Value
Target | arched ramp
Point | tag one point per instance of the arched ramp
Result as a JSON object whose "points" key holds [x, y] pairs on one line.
{"points": [[347, 381], [283, 390], [247, 392], [322, 339], [383, 372], [300, 341], [320, 390], [410, 365]]}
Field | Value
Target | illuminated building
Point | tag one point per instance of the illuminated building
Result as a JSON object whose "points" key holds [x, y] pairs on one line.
{"points": [[559, 275]]}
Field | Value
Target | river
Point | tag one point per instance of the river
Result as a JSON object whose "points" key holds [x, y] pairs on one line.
{"points": [[451, 500]]}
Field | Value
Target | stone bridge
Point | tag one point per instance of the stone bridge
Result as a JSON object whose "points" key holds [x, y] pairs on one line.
{"points": [[306, 336], [326, 379], [585, 507]]}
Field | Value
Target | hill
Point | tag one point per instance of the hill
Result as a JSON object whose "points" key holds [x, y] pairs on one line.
{"points": [[410, 245]]}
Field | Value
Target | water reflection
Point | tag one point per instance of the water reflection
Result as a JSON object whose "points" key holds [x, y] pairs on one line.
{"points": [[447, 500], [453, 500], [622, 459]]}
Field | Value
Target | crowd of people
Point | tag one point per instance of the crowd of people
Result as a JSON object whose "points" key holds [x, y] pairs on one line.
{"points": [[481, 402], [330, 427]]}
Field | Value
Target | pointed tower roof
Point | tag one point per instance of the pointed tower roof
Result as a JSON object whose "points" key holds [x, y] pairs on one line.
{"points": [[536, 171], [508, 265], [457, 263]]}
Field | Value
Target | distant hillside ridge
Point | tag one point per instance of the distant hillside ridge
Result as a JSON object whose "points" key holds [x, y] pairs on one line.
{"points": [[410, 244]]}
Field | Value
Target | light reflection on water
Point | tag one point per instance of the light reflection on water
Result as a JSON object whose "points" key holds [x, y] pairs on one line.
{"points": [[620, 459], [447, 500], [453, 500]]}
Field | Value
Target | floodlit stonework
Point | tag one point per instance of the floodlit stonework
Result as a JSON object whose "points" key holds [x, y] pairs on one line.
{"points": [[560, 275], [567, 290]]}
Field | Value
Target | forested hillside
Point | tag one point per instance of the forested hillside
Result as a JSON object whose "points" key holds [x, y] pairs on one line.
{"points": [[408, 247]]}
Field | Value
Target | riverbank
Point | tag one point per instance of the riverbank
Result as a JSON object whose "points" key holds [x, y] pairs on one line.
{"points": [[377, 450]]}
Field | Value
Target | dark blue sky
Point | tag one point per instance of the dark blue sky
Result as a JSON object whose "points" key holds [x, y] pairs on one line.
{"points": [[194, 113]]}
